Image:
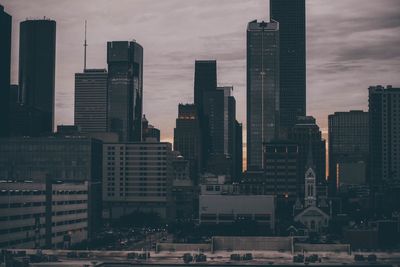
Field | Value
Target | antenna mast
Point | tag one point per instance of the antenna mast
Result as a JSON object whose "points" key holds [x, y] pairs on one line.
{"points": [[84, 45]]}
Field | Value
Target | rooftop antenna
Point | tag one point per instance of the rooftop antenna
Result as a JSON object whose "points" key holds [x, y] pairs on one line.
{"points": [[85, 45]]}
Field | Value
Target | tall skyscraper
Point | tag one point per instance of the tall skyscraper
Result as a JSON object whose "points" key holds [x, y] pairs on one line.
{"points": [[291, 15], [262, 89], [384, 136], [238, 157], [187, 137], [205, 79], [348, 148], [213, 111], [5, 63], [37, 59], [307, 135], [91, 100], [125, 89]]}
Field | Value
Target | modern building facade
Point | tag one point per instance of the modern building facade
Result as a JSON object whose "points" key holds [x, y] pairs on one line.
{"points": [[205, 80], [37, 59], [348, 148], [384, 136], [74, 158], [91, 100], [5, 65], [291, 16], [263, 91], [125, 89], [136, 177], [43, 214], [281, 169], [187, 137]]}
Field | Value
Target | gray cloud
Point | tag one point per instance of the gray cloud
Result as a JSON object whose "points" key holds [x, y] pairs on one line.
{"points": [[351, 44]]}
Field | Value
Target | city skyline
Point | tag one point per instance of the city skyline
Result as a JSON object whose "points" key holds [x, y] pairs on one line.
{"points": [[334, 64]]}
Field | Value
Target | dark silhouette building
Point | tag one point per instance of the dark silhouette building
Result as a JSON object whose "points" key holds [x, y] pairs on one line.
{"points": [[37, 58], [150, 133], [187, 137], [5, 64], [291, 16], [384, 136], [262, 89], [91, 100], [238, 156], [307, 135], [205, 79], [125, 89], [281, 169], [348, 148], [205, 82]]}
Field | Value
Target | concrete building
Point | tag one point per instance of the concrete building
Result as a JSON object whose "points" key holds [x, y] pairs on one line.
{"points": [[263, 90], [90, 112], [136, 177], [68, 158], [43, 215], [222, 203]]}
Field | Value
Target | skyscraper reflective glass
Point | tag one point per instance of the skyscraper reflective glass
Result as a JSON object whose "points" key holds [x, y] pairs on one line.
{"points": [[262, 88], [37, 59], [125, 89]]}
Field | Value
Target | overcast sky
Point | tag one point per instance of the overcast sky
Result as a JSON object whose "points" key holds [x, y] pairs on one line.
{"points": [[351, 44]]}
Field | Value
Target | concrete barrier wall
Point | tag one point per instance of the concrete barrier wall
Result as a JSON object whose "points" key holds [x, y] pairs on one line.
{"points": [[182, 247], [299, 247], [252, 243]]}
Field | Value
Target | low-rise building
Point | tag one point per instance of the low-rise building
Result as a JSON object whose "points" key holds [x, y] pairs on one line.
{"points": [[221, 203], [43, 214]]}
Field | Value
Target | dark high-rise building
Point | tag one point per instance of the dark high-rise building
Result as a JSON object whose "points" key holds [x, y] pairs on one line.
{"points": [[384, 136], [281, 169], [91, 100], [205, 79], [213, 111], [125, 89], [37, 59], [291, 15], [238, 157], [187, 137], [348, 148], [262, 89], [307, 135], [5, 63]]}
